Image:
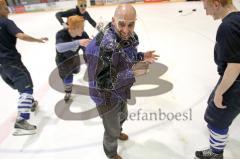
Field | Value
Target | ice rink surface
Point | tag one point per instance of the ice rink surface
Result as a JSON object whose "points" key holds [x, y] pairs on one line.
{"points": [[179, 83]]}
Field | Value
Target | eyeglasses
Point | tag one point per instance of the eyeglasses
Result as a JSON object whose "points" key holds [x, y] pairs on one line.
{"points": [[82, 5]]}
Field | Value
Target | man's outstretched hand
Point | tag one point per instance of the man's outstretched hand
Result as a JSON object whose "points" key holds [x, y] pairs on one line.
{"points": [[150, 56]]}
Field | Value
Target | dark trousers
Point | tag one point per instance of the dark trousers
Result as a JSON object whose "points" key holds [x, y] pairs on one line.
{"points": [[222, 118], [113, 120], [16, 76], [68, 65]]}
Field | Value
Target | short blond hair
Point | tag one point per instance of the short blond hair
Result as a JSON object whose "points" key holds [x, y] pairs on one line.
{"points": [[75, 22], [81, 2]]}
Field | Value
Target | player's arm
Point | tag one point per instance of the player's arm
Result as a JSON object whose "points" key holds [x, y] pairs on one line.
{"points": [[28, 38], [60, 15], [230, 75], [18, 33], [71, 46], [90, 20], [230, 47]]}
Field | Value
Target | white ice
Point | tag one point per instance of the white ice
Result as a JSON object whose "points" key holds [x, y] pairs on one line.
{"points": [[185, 44]]}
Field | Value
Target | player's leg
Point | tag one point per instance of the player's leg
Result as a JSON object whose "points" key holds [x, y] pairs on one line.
{"points": [[5, 77], [66, 68], [67, 79], [219, 121], [68, 87], [22, 81]]}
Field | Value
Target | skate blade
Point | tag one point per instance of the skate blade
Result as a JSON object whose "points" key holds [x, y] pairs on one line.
{"points": [[21, 132]]}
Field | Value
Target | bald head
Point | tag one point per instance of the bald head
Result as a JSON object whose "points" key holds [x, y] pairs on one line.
{"points": [[125, 12], [124, 20]]}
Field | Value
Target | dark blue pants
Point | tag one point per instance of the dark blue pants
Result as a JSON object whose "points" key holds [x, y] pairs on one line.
{"points": [[222, 118], [16, 76], [68, 65]]}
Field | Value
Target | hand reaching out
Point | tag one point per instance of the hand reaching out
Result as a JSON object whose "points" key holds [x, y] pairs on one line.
{"points": [[43, 40], [150, 57], [84, 42]]}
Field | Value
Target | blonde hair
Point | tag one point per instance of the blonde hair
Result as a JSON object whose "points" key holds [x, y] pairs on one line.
{"points": [[81, 2], [75, 22]]}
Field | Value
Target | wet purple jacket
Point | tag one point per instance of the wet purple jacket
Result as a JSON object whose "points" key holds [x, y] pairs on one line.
{"points": [[110, 62]]}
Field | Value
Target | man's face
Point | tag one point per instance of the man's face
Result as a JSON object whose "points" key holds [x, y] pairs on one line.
{"points": [[124, 28], [82, 7], [212, 8], [76, 32], [4, 11]]}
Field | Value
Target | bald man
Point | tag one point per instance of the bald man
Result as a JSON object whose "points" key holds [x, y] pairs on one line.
{"points": [[111, 56]]}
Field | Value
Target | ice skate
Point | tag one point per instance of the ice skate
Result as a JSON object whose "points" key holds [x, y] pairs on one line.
{"points": [[68, 91], [207, 154], [22, 127], [67, 96]]}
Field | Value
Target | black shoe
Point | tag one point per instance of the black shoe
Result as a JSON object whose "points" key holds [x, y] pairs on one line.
{"points": [[207, 154]]}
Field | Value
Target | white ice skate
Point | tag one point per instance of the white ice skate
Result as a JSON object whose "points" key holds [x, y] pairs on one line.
{"points": [[22, 127]]}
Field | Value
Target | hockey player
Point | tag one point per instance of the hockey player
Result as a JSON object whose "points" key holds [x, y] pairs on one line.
{"points": [[13, 71], [111, 56], [68, 42], [224, 102], [79, 10]]}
